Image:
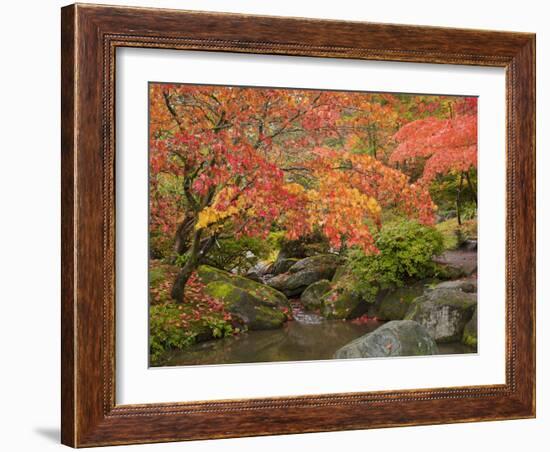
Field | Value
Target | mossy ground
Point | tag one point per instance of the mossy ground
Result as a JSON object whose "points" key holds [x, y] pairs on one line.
{"points": [[176, 326], [454, 234], [214, 307]]}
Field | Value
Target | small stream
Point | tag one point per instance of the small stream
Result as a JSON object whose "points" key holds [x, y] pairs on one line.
{"points": [[308, 337]]}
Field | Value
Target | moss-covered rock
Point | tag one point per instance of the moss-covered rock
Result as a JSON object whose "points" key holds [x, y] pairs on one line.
{"points": [[254, 276], [394, 304], [256, 305], [312, 297], [290, 285], [447, 271], [267, 319], [443, 312], [396, 338], [469, 337], [322, 263], [208, 274], [466, 285], [304, 273], [268, 294], [256, 312], [343, 304], [455, 264], [282, 265]]}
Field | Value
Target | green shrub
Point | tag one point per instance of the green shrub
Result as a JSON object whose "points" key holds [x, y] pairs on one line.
{"points": [[219, 327], [406, 251]]}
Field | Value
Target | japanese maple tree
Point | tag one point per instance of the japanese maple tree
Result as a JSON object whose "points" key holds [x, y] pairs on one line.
{"points": [[448, 145], [353, 188], [230, 161]]}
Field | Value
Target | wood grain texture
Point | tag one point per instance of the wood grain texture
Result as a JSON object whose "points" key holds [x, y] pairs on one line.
{"points": [[67, 224], [90, 36]]}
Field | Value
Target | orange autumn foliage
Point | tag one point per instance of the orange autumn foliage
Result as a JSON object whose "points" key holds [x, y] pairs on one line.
{"points": [[448, 145], [227, 162], [233, 152]]}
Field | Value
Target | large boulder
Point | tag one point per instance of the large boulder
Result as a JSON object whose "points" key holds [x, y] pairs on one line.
{"points": [[291, 285], [257, 271], [469, 337], [253, 312], [304, 273], [254, 276], [322, 264], [255, 305], [312, 297], [449, 271], [343, 304], [455, 264], [396, 338], [282, 265], [466, 285], [443, 312], [469, 245], [209, 274], [394, 304]]}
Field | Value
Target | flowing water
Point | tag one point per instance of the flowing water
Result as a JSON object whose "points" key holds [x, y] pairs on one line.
{"points": [[308, 337]]}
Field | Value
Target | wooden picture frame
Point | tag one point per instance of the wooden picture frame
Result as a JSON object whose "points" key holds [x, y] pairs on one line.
{"points": [[90, 36]]}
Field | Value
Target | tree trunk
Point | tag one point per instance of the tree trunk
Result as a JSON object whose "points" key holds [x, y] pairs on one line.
{"points": [[471, 185], [178, 289], [184, 235]]}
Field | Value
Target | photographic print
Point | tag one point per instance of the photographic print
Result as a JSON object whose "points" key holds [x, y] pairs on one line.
{"points": [[300, 224]]}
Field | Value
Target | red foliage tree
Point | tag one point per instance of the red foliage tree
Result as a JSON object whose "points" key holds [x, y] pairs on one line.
{"points": [[353, 188], [241, 160], [448, 145]]}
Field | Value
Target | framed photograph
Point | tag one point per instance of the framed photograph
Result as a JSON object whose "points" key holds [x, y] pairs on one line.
{"points": [[280, 225]]}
